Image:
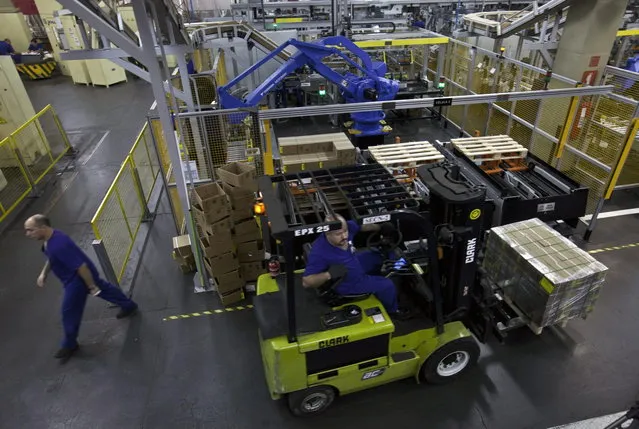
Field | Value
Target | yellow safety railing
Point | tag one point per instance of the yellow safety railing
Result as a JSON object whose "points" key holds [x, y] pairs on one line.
{"points": [[125, 205], [27, 155]]}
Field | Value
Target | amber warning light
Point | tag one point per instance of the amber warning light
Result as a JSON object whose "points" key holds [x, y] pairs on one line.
{"points": [[258, 207]]}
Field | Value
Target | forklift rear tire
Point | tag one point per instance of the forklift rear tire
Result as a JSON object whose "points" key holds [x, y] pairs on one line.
{"points": [[451, 361], [311, 401]]}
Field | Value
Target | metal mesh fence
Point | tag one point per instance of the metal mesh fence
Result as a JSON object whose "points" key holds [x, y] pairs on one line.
{"points": [[117, 220], [601, 127], [41, 142], [145, 161], [125, 205], [203, 88], [219, 68], [14, 183], [213, 139], [27, 155], [202, 60]]}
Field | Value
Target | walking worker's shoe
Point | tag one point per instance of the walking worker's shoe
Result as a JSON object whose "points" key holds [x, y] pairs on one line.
{"points": [[65, 353], [126, 312]]}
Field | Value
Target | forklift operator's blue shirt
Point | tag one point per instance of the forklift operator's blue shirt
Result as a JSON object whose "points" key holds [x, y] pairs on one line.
{"points": [[324, 254], [65, 257]]}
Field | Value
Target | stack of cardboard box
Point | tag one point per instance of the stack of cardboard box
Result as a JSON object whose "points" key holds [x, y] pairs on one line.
{"points": [[213, 215], [546, 275], [183, 253], [316, 151], [239, 181]]}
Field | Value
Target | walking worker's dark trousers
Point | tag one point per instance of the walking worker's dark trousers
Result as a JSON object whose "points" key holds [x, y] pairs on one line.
{"points": [[74, 300]]}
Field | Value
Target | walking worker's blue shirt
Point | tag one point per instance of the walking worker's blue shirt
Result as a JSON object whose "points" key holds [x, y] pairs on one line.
{"points": [[324, 254], [65, 257]]}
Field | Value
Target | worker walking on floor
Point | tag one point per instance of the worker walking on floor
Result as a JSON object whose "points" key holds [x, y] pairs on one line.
{"points": [[79, 276]]}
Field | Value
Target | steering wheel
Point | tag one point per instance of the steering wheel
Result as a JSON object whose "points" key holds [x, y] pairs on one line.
{"points": [[384, 244]]}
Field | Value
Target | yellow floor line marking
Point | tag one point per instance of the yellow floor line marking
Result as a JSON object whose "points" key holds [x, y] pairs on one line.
{"points": [[611, 248], [208, 312]]}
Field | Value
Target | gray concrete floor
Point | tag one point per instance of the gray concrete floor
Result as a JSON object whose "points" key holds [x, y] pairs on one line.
{"points": [[206, 372]]}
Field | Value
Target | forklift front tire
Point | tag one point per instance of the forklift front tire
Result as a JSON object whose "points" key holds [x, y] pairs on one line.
{"points": [[311, 401], [451, 361]]}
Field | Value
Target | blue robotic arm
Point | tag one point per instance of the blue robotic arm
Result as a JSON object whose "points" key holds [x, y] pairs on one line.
{"points": [[370, 86]]}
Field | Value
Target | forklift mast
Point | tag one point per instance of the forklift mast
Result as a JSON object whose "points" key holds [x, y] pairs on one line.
{"points": [[297, 205], [456, 207]]}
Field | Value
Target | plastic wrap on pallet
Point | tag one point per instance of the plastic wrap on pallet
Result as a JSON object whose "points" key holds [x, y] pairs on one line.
{"points": [[544, 274]]}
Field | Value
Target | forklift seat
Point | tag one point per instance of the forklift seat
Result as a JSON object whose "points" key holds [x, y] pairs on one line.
{"points": [[328, 293]]}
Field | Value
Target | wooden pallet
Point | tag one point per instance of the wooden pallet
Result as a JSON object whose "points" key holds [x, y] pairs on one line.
{"points": [[405, 155], [490, 148]]}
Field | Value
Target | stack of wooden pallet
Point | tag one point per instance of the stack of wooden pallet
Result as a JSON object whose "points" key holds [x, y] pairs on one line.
{"points": [[490, 148], [404, 158]]}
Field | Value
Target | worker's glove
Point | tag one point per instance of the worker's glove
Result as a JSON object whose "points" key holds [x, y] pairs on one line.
{"points": [[387, 229], [337, 272]]}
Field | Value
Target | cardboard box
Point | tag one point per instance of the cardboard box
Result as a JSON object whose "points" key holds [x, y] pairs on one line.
{"points": [[224, 263], [231, 297], [238, 196], [218, 227], [210, 198], [182, 245], [212, 248], [247, 227], [240, 215], [229, 281], [222, 235], [186, 264], [239, 174], [250, 251], [212, 215], [250, 271]]}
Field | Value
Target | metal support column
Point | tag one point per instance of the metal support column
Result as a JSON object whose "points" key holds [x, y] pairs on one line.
{"points": [[513, 106], [469, 85], [520, 46], [441, 60], [151, 62]]}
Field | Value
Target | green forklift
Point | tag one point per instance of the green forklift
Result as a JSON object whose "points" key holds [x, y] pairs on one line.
{"points": [[316, 344]]}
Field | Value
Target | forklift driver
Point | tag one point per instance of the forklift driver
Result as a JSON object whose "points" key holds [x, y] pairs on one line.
{"points": [[333, 257]]}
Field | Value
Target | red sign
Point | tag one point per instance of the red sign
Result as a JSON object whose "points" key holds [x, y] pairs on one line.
{"points": [[594, 61]]}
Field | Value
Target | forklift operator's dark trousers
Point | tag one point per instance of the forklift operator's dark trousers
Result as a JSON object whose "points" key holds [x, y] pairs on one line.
{"points": [[383, 288]]}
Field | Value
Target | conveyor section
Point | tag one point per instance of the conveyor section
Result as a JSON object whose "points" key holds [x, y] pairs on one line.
{"points": [[532, 15], [243, 30], [523, 189]]}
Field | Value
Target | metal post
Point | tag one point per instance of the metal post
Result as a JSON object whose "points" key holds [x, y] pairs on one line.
{"points": [[497, 45], [289, 260], [520, 46], [624, 45], [163, 174], [105, 263], [151, 62], [520, 72], [593, 219], [469, 85], [555, 27], [534, 130], [441, 60]]}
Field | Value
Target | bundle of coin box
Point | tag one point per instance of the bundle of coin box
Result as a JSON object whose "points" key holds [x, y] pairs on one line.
{"points": [[315, 152], [543, 273]]}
